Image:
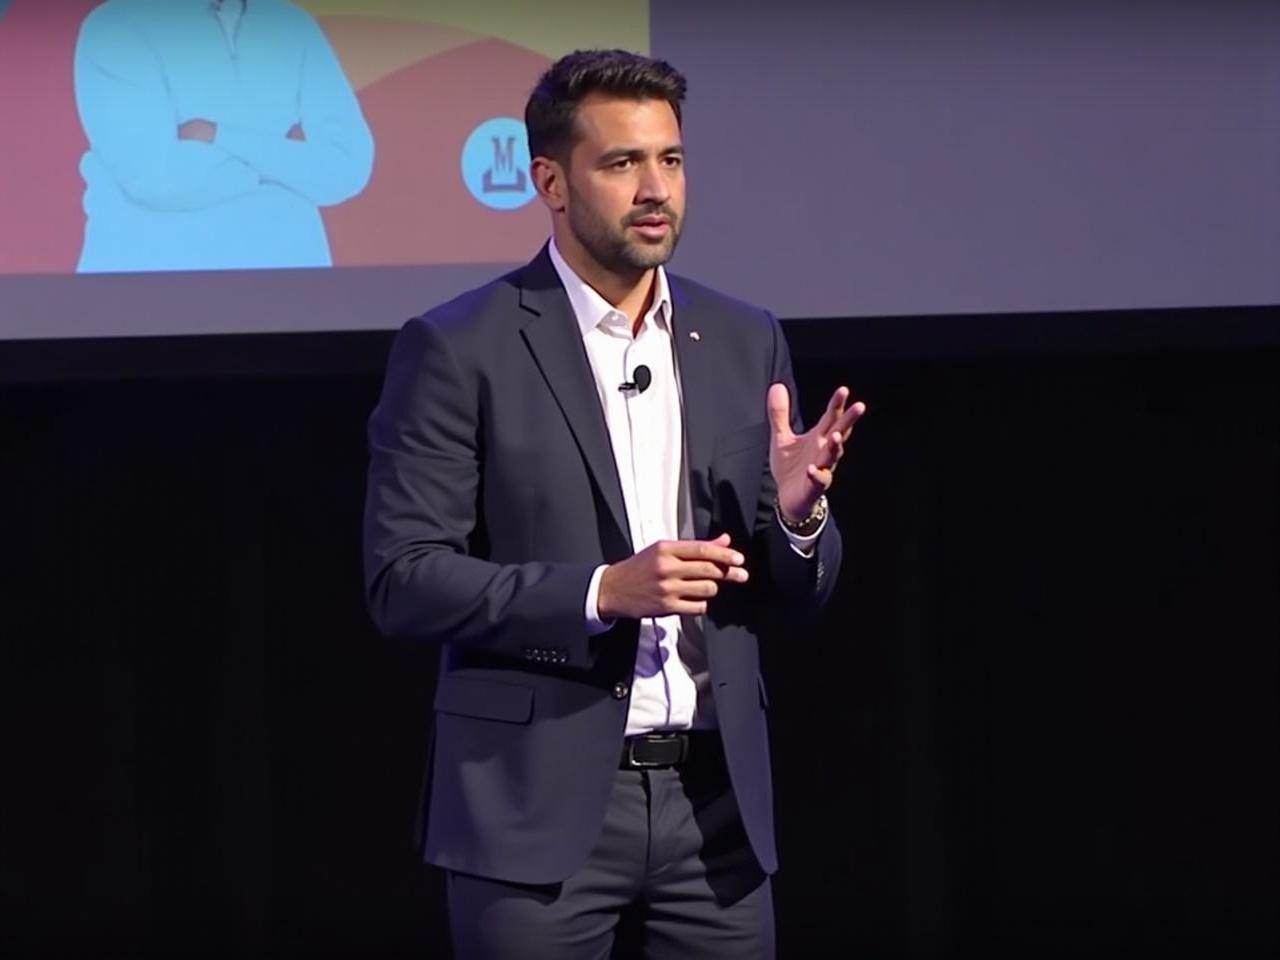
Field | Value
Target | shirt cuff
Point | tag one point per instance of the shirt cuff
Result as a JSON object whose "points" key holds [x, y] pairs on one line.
{"points": [[804, 545], [594, 624]]}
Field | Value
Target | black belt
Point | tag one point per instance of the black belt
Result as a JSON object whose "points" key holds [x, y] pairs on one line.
{"points": [[656, 751]]}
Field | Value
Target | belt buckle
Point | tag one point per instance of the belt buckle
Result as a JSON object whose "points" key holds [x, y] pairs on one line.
{"points": [[681, 755]]}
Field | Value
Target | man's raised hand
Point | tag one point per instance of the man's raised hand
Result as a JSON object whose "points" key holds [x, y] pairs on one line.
{"points": [[804, 466]]}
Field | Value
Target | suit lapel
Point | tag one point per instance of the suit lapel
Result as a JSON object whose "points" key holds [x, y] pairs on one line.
{"points": [[696, 363], [555, 340]]}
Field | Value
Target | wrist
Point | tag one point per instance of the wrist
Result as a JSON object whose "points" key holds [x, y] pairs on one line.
{"points": [[804, 526], [603, 611], [596, 624]]}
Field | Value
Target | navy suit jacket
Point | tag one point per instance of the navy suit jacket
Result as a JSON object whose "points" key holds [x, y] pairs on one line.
{"points": [[493, 496]]}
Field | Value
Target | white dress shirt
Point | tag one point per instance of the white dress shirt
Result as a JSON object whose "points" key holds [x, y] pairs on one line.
{"points": [[671, 686]]}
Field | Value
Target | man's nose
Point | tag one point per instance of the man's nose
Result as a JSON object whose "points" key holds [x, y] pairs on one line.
{"points": [[653, 187]]}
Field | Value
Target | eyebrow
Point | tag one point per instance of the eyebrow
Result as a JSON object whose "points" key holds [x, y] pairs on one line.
{"points": [[636, 153]]}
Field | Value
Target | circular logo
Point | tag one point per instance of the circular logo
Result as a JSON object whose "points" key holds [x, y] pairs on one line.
{"points": [[495, 164]]}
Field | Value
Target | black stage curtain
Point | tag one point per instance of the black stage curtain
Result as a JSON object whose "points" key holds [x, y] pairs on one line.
{"points": [[1039, 720]]}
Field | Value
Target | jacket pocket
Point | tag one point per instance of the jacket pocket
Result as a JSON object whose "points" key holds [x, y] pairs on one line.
{"points": [[484, 699]]}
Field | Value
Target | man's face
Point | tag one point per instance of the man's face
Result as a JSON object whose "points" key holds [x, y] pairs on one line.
{"points": [[625, 202]]}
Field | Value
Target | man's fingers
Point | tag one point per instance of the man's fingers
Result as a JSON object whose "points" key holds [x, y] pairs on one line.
{"points": [[822, 476], [835, 407], [689, 608], [710, 550], [844, 423], [779, 405], [705, 570], [699, 570], [833, 450], [676, 591], [832, 447]]}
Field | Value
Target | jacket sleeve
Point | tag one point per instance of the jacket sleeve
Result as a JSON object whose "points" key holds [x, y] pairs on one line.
{"points": [[335, 160], [425, 481], [804, 584], [129, 121]]}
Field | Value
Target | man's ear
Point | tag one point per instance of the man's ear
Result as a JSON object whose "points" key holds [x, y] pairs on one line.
{"points": [[549, 180]]}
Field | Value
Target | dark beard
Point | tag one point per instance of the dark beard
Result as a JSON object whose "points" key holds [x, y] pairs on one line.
{"points": [[609, 246]]}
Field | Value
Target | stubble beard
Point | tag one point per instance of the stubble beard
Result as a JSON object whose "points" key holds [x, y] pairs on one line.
{"points": [[610, 246]]}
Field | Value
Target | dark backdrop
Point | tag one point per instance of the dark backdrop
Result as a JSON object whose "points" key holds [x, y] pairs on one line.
{"points": [[1039, 720]]}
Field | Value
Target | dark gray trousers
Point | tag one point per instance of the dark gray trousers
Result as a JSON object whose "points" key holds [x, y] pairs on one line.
{"points": [[673, 858]]}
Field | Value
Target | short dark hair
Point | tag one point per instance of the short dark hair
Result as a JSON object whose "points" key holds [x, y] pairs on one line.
{"points": [[553, 105]]}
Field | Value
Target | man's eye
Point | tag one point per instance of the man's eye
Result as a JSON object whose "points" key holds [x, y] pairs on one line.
{"points": [[622, 164], [674, 161]]}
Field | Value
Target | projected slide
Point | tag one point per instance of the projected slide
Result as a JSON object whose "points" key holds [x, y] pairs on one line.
{"points": [[248, 134], [189, 166]]}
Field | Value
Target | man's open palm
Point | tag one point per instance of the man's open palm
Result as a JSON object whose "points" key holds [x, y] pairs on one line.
{"points": [[803, 466]]}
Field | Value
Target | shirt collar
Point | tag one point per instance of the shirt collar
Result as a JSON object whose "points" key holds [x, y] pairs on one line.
{"points": [[592, 310]]}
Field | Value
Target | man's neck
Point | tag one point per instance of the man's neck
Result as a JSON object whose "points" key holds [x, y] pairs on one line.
{"points": [[631, 294]]}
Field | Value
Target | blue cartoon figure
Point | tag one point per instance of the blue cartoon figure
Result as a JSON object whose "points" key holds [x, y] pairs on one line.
{"points": [[217, 130]]}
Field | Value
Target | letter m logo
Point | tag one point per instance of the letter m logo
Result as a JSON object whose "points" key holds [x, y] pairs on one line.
{"points": [[504, 155]]}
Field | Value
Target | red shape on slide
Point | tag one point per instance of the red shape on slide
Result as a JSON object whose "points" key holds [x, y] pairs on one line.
{"points": [[416, 209], [41, 217]]}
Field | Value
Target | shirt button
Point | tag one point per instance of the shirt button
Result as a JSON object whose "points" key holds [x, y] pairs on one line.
{"points": [[620, 690]]}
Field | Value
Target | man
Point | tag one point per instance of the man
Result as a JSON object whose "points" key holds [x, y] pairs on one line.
{"points": [[216, 128], [574, 490]]}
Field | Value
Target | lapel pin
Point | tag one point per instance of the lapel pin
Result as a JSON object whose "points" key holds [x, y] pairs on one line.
{"points": [[694, 335]]}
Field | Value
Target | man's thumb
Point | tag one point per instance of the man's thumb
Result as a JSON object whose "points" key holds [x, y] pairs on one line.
{"points": [[779, 404]]}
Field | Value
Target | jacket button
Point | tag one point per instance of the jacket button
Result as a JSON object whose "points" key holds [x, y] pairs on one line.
{"points": [[620, 690]]}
